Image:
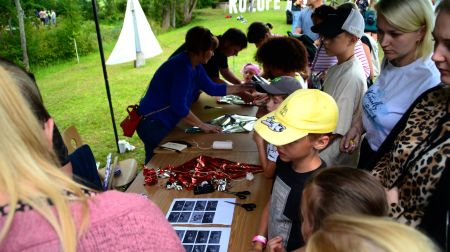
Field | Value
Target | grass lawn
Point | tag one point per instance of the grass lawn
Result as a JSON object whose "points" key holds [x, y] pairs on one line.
{"points": [[75, 93]]}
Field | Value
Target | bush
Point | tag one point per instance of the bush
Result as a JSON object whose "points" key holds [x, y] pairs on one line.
{"points": [[49, 44]]}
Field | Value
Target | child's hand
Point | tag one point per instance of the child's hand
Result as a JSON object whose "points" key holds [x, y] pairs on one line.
{"points": [[276, 244]]}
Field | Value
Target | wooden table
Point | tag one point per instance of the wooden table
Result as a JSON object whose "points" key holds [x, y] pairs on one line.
{"points": [[245, 224], [241, 141]]}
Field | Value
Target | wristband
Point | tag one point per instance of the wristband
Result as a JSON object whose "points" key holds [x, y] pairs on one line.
{"points": [[261, 239]]}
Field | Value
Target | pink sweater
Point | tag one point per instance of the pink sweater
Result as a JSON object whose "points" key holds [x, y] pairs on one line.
{"points": [[117, 222]]}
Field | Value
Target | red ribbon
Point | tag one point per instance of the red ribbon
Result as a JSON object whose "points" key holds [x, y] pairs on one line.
{"points": [[202, 168], [150, 177]]}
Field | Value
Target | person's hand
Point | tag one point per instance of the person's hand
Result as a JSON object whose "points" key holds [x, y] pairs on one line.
{"points": [[392, 195], [209, 128], [350, 141], [260, 99], [257, 247], [276, 244]]}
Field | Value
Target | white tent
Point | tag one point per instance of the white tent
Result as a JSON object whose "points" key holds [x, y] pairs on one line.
{"points": [[136, 41]]}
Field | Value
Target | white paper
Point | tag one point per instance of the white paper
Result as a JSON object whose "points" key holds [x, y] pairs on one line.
{"points": [[201, 211], [209, 239]]}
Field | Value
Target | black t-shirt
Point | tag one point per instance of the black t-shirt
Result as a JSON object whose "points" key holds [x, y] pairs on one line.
{"points": [[284, 213], [218, 61]]}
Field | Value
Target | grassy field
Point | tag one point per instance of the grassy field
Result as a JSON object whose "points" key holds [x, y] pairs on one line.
{"points": [[75, 93]]}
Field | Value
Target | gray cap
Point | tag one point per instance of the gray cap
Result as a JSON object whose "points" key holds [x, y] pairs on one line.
{"points": [[284, 85], [343, 19]]}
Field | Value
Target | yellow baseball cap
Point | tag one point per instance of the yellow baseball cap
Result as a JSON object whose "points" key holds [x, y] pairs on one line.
{"points": [[304, 111]]}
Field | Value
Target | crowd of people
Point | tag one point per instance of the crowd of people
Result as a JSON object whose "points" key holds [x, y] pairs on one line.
{"points": [[358, 152], [46, 17]]}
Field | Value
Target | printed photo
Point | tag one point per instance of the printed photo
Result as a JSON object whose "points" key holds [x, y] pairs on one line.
{"points": [[189, 237], [214, 237], [178, 206], [188, 205], [208, 217], [199, 248], [180, 233], [196, 217], [188, 248], [212, 205], [173, 216], [200, 206], [202, 237], [184, 217], [213, 248]]}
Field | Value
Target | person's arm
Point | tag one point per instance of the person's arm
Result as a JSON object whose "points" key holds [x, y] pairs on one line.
{"points": [[267, 165], [369, 59], [229, 76], [350, 141], [263, 227], [193, 120]]}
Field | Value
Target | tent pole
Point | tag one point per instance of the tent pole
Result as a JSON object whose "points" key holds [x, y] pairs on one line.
{"points": [[105, 74]]}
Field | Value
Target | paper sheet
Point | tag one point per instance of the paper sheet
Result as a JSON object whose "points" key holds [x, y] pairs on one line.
{"points": [[204, 239], [200, 211]]}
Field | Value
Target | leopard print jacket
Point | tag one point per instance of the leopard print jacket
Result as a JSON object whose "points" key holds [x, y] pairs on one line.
{"points": [[418, 156]]}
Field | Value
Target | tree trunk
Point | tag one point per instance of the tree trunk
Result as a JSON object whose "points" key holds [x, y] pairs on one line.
{"points": [[174, 13], [23, 39], [189, 6], [166, 17]]}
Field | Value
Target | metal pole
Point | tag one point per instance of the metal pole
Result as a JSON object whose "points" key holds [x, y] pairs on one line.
{"points": [[105, 74]]}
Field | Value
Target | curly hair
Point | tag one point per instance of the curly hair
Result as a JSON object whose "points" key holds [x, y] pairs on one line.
{"points": [[283, 53]]}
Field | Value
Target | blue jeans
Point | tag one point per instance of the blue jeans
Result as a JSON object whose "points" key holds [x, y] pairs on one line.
{"points": [[295, 20], [151, 133]]}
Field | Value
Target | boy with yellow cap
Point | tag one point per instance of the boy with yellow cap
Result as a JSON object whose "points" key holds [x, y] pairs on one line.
{"points": [[300, 128]]}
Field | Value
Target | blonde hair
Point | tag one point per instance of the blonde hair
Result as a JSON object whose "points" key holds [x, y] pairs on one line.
{"points": [[341, 233], [29, 169], [410, 16], [343, 190]]}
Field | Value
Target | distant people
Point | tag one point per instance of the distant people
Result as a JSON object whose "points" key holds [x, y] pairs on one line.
{"points": [[42, 16], [305, 23], [300, 131], [404, 29], [169, 96], [296, 8], [53, 17], [343, 233], [258, 33], [55, 213], [345, 81], [411, 165], [341, 190], [230, 44], [278, 90]]}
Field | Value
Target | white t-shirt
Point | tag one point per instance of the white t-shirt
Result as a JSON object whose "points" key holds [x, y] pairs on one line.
{"points": [[346, 83], [395, 89], [272, 153]]}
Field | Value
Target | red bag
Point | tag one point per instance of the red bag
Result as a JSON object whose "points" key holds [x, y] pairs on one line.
{"points": [[130, 123]]}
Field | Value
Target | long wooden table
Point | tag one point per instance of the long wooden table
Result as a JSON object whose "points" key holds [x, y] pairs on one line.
{"points": [[244, 223], [244, 150]]}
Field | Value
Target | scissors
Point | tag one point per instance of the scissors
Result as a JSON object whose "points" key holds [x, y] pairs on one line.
{"points": [[240, 195], [248, 206]]}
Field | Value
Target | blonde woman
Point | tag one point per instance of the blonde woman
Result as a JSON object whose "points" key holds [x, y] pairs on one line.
{"points": [[55, 213], [407, 71], [340, 233]]}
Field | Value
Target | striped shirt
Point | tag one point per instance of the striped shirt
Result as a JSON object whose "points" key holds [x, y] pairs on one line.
{"points": [[322, 61]]}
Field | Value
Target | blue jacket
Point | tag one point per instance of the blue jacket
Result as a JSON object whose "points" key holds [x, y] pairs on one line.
{"points": [[176, 84]]}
